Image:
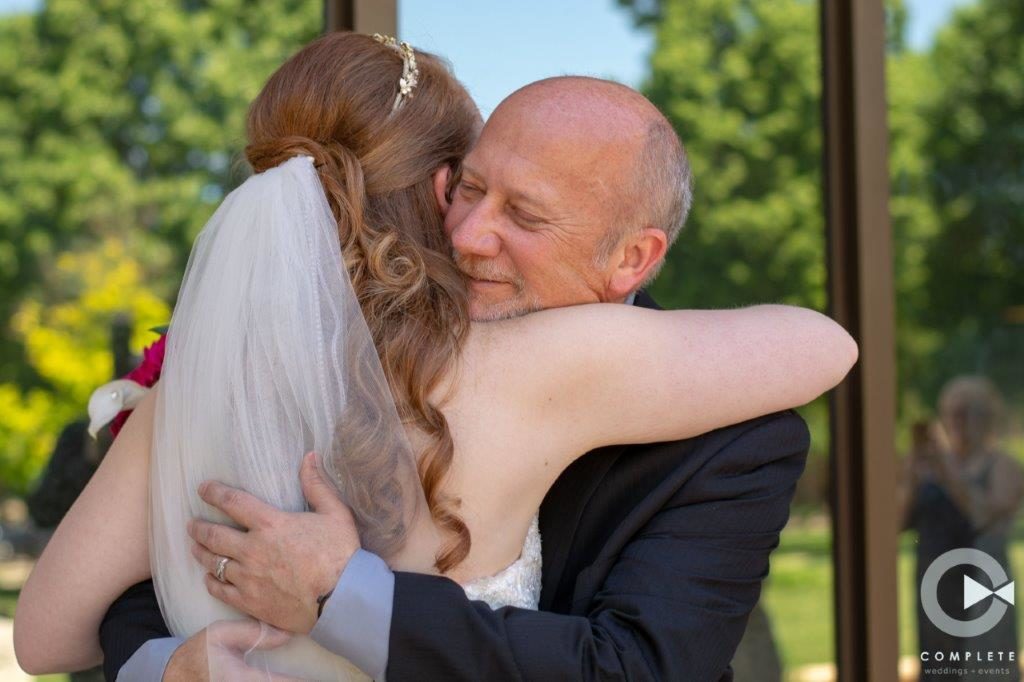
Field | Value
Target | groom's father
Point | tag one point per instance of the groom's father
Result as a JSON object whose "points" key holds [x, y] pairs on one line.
{"points": [[653, 555]]}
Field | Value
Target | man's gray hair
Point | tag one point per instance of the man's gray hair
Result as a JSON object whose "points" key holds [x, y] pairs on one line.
{"points": [[659, 194]]}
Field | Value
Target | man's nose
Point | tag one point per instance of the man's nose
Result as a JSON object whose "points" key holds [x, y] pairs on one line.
{"points": [[478, 233]]}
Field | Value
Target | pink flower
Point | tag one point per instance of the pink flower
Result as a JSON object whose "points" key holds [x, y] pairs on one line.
{"points": [[146, 374]]}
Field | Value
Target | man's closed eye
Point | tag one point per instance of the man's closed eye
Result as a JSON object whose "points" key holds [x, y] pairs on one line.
{"points": [[527, 219], [469, 191]]}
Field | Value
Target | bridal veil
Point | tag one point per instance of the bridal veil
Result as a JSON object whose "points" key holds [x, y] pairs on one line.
{"points": [[269, 357]]}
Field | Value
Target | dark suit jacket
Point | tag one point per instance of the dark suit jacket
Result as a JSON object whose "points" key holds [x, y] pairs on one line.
{"points": [[653, 559]]}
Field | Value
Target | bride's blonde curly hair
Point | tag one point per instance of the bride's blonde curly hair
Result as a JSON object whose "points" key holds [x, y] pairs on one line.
{"points": [[333, 101]]}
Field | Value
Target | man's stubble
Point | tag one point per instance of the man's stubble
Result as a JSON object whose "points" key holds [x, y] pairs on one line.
{"points": [[522, 303]]}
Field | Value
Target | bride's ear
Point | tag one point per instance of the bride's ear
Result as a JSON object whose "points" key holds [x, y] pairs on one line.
{"points": [[441, 177]]}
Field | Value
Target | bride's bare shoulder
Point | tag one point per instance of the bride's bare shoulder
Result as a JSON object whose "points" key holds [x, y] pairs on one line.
{"points": [[522, 351], [549, 324]]}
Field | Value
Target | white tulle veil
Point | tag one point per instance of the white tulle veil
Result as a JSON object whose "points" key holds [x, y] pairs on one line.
{"points": [[268, 357]]}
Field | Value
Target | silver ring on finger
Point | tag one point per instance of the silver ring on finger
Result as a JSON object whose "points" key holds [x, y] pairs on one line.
{"points": [[222, 563]]}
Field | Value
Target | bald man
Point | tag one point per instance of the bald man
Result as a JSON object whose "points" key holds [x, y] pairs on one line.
{"points": [[653, 555]]}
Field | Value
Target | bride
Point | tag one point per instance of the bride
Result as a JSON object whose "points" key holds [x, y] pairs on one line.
{"points": [[321, 310]]}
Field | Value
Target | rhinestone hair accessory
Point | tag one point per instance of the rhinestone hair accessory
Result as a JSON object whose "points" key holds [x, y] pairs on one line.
{"points": [[410, 72]]}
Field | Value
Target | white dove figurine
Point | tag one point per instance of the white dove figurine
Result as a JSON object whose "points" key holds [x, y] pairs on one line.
{"points": [[110, 399]]}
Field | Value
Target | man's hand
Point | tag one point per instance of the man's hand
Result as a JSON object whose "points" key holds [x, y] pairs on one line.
{"points": [[283, 561], [226, 647]]}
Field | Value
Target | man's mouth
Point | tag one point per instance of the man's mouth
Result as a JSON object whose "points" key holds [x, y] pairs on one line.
{"points": [[489, 286], [472, 277]]}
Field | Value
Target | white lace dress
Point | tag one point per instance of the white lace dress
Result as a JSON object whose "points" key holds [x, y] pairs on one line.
{"points": [[519, 583]]}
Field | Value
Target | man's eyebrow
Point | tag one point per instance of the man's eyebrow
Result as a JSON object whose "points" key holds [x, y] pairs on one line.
{"points": [[466, 168], [538, 201], [528, 200]]}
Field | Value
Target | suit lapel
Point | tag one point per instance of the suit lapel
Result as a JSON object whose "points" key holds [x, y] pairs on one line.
{"points": [[644, 300], [563, 506], [561, 512]]}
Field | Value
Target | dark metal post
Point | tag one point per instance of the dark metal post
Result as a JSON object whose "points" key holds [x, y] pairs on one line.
{"points": [[861, 297], [364, 16]]}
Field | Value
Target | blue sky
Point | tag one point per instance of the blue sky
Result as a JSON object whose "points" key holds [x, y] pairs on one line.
{"points": [[496, 45], [927, 17]]}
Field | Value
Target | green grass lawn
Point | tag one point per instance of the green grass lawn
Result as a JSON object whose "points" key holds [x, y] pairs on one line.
{"points": [[798, 594], [8, 599]]}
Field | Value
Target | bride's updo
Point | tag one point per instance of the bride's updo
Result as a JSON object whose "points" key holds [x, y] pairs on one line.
{"points": [[334, 101]]}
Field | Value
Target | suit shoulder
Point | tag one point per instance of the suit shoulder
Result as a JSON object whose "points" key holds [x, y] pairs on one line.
{"points": [[783, 420], [779, 431]]}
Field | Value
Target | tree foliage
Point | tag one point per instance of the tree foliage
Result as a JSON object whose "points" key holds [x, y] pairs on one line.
{"points": [[974, 136], [120, 124], [741, 82]]}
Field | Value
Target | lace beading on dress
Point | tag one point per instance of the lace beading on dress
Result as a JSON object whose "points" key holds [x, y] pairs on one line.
{"points": [[519, 583]]}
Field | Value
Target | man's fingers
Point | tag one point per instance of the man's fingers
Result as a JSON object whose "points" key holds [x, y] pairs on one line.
{"points": [[218, 539], [210, 561], [242, 507], [320, 494], [225, 592]]}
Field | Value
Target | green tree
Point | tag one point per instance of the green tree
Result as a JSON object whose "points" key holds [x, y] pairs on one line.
{"points": [[975, 136], [66, 342], [910, 88], [123, 116], [740, 81], [120, 122]]}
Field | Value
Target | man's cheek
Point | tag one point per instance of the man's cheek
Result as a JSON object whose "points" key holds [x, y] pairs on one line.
{"points": [[456, 213], [565, 285]]}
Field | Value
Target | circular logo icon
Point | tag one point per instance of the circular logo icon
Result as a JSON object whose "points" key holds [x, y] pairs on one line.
{"points": [[974, 592]]}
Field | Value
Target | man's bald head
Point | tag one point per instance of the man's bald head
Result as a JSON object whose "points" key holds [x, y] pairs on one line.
{"points": [[635, 142], [601, 105], [571, 195]]}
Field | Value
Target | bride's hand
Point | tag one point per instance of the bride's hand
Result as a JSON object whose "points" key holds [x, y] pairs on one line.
{"points": [[218, 652], [278, 568]]}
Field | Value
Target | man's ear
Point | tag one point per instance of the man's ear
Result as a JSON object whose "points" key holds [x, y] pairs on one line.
{"points": [[634, 259], [441, 177]]}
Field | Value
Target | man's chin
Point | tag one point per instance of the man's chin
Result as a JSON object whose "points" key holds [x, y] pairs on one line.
{"points": [[482, 310]]}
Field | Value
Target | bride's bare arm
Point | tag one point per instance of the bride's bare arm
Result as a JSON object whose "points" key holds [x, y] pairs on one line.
{"points": [[97, 552], [609, 373]]}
